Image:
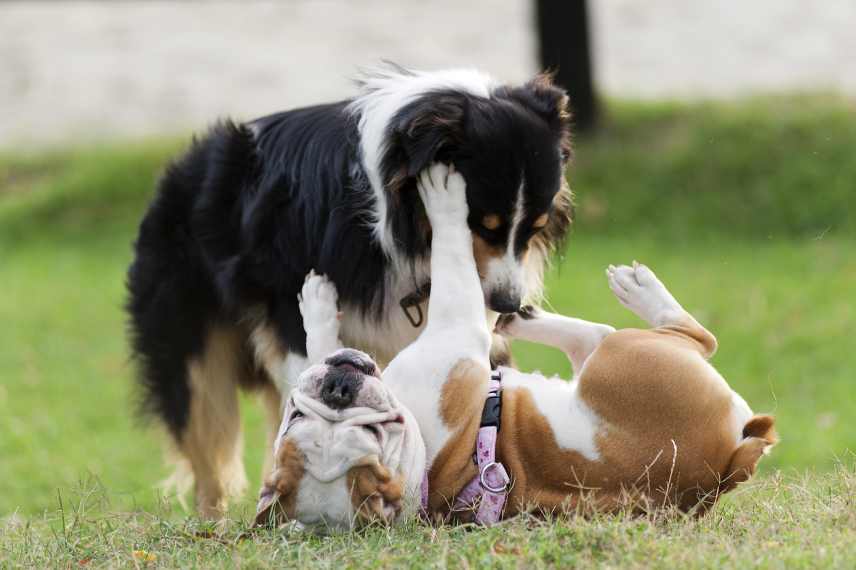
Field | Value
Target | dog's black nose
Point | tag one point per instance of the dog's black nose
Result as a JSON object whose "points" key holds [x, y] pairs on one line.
{"points": [[341, 385], [504, 302]]}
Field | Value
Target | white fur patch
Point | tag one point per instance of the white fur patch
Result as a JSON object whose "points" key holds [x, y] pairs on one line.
{"points": [[740, 414], [574, 424], [385, 92], [507, 273], [325, 504]]}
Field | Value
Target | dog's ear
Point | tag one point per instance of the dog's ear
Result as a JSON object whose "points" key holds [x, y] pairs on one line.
{"points": [[424, 132], [551, 103], [269, 510], [548, 100], [759, 435], [375, 493], [278, 496]]}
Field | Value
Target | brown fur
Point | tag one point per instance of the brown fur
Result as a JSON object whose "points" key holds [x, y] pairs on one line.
{"points": [[279, 493], [483, 253], [500, 352], [212, 439], [372, 488], [269, 352], [272, 402], [760, 434], [460, 407], [665, 437]]}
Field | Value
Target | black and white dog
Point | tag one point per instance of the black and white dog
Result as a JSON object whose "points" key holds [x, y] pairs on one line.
{"points": [[250, 208]]}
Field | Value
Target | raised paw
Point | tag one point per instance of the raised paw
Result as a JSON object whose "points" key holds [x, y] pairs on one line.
{"points": [[318, 301], [639, 289], [444, 194]]}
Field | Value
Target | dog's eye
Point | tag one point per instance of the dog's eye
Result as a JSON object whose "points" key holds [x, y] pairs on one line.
{"points": [[296, 415]]}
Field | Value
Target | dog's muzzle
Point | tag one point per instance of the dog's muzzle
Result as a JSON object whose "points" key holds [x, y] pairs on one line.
{"points": [[504, 302], [344, 377]]}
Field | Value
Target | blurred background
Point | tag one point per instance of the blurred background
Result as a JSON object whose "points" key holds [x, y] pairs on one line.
{"points": [[716, 141]]}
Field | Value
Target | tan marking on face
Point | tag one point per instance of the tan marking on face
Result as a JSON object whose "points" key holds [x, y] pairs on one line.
{"points": [[484, 253], [281, 486], [491, 221], [374, 490], [461, 403]]}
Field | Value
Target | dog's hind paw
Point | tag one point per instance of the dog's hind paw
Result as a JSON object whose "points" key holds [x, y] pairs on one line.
{"points": [[639, 289]]}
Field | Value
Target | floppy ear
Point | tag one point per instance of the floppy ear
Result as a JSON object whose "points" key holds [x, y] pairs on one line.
{"points": [[375, 493], [551, 103], [269, 511], [759, 435], [425, 132], [279, 492]]}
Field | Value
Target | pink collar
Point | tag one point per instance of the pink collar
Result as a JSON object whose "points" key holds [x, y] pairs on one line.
{"points": [[488, 489]]}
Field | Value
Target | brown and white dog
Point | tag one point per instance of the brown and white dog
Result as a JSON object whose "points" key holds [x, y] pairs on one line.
{"points": [[648, 422]]}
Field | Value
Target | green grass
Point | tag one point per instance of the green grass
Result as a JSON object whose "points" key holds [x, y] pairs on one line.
{"points": [[794, 522], [744, 209]]}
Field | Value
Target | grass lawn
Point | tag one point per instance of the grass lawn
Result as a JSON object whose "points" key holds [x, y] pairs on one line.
{"points": [[745, 210]]}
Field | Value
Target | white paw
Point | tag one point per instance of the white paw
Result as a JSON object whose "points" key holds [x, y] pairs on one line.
{"points": [[638, 289], [318, 301], [444, 194], [510, 325]]}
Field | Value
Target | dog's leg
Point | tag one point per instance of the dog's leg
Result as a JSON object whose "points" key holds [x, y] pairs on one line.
{"points": [[318, 306], [211, 441], [456, 295], [638, 289], [575, 337], [454, 346], [272, 402]]}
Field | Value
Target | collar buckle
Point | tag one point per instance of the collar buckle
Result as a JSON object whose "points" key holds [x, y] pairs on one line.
{"points": [[496, 472]]}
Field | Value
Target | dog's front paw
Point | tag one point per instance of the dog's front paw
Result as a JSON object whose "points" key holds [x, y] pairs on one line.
{"points": [[444, 194], [318, 301]]}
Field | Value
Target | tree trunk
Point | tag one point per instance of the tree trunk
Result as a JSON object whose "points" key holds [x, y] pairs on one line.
{"points": [[563, 38]]}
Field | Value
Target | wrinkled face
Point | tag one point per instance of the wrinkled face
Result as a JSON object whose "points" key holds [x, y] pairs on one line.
{"points": [[347, 452]]}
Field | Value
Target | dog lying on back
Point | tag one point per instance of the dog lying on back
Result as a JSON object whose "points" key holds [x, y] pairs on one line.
{"points": [[647, 422]]}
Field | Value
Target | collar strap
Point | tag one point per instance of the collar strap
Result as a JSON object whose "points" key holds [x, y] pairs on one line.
{"points": [[489, 488], [413, 302]]}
